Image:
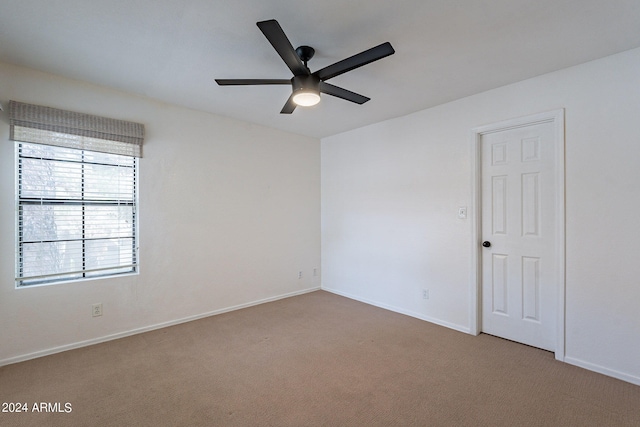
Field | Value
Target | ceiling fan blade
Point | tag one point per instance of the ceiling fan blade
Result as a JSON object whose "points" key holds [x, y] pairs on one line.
{"points": [[355, 61], [245, 82], [278, 39], [339, 92], [289, 106]]}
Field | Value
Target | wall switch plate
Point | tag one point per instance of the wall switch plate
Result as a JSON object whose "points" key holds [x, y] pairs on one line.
{"points": [[462, 212]]}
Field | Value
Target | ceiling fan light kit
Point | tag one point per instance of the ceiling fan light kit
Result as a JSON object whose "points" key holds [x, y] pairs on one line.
{"points": [[306, 86], [306, 90]]}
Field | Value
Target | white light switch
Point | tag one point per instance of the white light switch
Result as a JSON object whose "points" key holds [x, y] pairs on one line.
{"points": [[462, 212]]}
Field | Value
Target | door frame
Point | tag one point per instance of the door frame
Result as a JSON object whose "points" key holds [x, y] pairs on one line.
{"points": [[556, 117]]}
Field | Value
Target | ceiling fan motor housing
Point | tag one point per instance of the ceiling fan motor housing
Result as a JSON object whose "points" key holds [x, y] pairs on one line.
{"points": [[305, 83]]}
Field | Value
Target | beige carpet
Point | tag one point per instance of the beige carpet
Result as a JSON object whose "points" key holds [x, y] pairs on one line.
{"points": [[313, 360]]}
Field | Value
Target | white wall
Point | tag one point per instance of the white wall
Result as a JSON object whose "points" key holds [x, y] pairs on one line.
{"points": [[229, 213], [390, 194]]}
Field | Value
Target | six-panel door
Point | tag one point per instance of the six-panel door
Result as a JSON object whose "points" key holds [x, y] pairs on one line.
{"points": [[518, 219]]}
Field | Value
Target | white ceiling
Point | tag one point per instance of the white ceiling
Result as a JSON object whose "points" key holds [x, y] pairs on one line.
{"points": [[172, 50]]}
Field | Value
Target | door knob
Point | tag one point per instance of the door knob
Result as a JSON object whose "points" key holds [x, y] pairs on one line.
{"points": [[486, 244]]}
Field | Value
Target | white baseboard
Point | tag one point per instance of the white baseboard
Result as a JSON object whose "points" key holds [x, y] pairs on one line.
{"points": [[105, 338], [602, 370], [439, 322]]}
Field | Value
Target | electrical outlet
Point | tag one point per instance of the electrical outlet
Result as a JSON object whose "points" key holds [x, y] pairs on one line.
{"points": [[96, 310], [315, 272], [425, 294], [299, 274]]}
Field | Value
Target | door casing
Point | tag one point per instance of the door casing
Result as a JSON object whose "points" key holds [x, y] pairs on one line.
{"points": [[475, 313]]}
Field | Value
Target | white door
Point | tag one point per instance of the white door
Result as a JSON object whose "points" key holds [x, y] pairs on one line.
{"points": [[519, 226]]}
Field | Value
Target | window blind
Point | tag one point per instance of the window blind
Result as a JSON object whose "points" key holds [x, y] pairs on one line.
{"points": [[76, 214], [52, 126]]}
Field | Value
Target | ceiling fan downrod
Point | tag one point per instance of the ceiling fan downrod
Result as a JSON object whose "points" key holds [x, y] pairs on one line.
{"points": [[305, 53]]}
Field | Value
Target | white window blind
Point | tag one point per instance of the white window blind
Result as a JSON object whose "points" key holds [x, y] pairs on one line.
{"points": [[76, 214], [76, 209]]}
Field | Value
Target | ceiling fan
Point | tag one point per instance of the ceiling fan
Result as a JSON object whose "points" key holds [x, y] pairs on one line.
{"points": [[306, 86]]}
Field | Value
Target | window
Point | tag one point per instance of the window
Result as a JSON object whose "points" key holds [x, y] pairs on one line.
{"points": [[76, 203], [76, 214]]}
